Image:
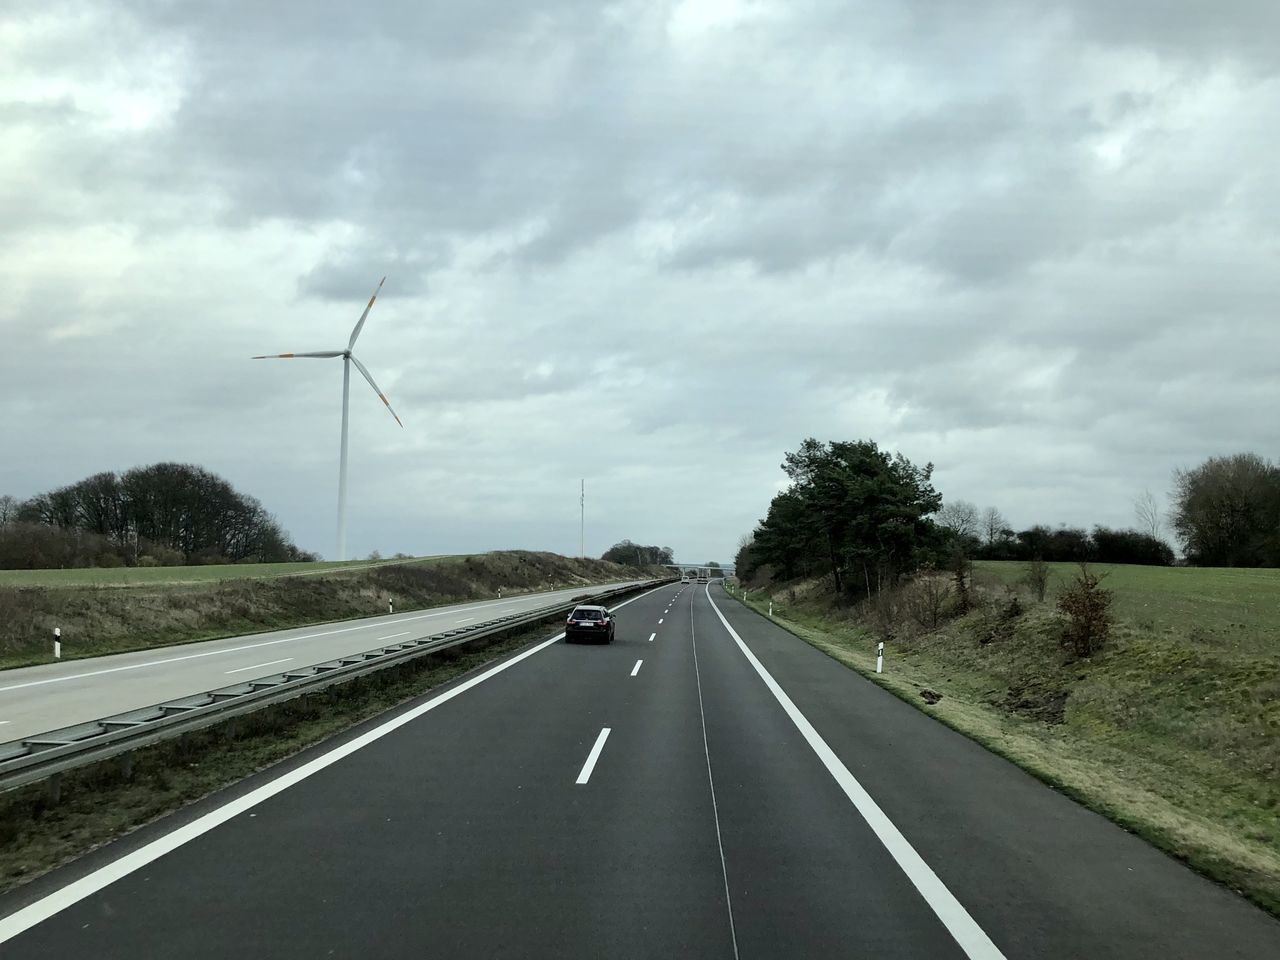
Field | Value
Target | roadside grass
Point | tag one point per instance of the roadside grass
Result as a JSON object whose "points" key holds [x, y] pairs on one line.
{"points": [[97, 620], [168, 576], [1172, 731], [105, 801]]}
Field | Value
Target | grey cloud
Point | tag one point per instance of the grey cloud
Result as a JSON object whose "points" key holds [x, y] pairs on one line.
{"points": [[1027, 243]]}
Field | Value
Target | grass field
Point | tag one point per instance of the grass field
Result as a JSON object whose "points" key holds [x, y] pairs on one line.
{"points": [[161, 576], [1233, 603], [1172, 730]]}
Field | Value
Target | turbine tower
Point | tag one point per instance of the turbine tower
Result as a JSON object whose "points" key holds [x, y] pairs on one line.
{"points": [[347, 360]]}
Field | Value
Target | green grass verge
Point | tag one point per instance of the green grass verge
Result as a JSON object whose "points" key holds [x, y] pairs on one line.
{"points": [[1173, 731], [166, 576], [106, 801]]}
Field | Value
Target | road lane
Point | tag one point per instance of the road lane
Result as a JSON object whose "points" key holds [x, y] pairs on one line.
{"points": [[465, 832], [462, 834], [1042, 876], [38, 699]]}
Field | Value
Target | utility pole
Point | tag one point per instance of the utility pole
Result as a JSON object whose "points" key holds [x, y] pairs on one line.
{"points": [[582, 521]]}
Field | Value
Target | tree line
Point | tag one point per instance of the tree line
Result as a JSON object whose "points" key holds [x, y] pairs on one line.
{"points": [[162, 514], [867, 518], [638, 555], [984, 535]]}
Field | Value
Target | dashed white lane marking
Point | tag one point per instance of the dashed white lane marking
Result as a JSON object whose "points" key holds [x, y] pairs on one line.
{"points": [[464, 620], [659, 621], [259, 666], [393, 636], [91, 883], [651, 636], [593, 756], [636, 668], [971, 938]]}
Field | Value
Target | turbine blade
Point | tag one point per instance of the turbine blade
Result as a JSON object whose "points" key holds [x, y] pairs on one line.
{"points": [[292, 356], [381, 396], [360, 323]]}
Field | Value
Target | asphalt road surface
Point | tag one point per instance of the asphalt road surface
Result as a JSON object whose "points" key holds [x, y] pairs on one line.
{"points": [[39, 699], [706, 786]]}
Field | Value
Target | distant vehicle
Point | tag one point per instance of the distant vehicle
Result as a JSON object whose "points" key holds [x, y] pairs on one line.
{"points": [[702, 579], [589, 623], [685, 578]]}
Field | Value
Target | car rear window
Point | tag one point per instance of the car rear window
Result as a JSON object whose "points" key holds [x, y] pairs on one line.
{"points": [[588, 613]]}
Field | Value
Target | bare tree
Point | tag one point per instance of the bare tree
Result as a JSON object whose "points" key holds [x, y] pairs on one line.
{"points": [[960, 517], [993, 524], [1147, 510], [8, 510]]}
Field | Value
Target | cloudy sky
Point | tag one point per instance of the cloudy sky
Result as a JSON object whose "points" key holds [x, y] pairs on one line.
{"points": [[652, 244]]}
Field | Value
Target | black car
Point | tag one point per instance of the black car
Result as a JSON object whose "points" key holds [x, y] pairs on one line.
{"points": [[589, 623]]}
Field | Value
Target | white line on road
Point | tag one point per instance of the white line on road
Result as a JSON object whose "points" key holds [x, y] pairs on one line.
{"points": [[259, 666], [393, 636], [464, 620], [636, 668], [136, 859], [593, 756], [971, 937], [659, 621], [651, 636]]}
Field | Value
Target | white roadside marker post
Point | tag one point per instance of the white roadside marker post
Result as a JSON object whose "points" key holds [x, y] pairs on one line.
{"points": [[391, 607], [771, 608], [880, 658], [57, 643]]}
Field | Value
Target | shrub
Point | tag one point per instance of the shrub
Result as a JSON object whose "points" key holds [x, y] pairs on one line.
{"points": [[926, 599], [962, 575], [1088, 608], [1037, 578]]}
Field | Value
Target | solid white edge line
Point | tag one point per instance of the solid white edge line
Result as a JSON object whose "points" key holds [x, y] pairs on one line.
{"points": [[57, 901], [636, 668], [392, 636], [970, 937], [593, 756], [259, 666]]}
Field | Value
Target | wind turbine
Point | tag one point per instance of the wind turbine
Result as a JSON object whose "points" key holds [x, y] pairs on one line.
{"points": [[347, 360]]}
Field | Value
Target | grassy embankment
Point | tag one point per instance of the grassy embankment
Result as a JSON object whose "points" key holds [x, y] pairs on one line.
{"points": [[99, 614], [1172, 731]]}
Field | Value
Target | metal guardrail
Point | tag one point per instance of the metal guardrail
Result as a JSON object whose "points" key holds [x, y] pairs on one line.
{"points": [[45, 755]]}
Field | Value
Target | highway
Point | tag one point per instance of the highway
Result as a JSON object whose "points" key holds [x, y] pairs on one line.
{"points": [[38, 699], [706, 786]]}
